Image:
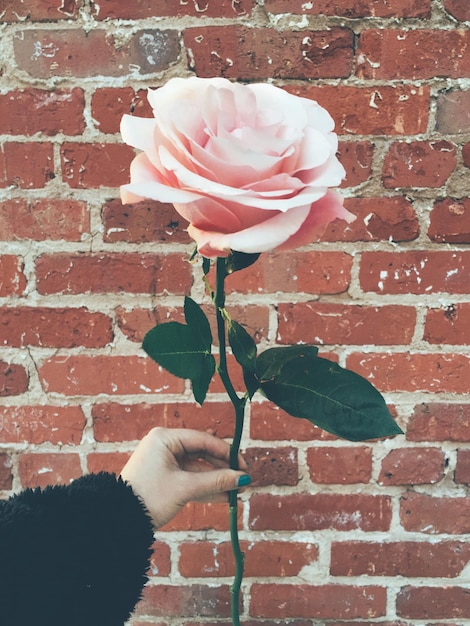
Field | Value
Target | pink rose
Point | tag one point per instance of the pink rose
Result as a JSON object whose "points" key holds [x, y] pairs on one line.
{"points": [[248, 166]]}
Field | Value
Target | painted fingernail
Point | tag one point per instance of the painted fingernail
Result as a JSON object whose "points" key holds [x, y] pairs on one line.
{"points": [[244, 480]]}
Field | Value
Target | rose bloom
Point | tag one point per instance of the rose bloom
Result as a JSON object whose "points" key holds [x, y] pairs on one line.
{"points": [[248, 166]]}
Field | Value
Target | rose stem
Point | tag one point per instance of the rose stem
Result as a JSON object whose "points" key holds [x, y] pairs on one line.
{"points": [[239, 406]]}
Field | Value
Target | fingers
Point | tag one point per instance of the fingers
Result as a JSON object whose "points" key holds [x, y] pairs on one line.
{"points": [[208, 486]]}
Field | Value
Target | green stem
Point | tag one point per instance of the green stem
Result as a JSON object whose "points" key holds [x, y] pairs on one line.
{"points": [[239, 406]]}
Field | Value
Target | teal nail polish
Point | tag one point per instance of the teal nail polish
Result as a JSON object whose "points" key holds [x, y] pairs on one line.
{"points": [[244, 480]]}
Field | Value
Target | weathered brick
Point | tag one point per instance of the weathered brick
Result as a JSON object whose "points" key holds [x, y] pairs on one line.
{"points": [[407, 371], [12, 278], [438, 421], [319, 511], [353, 8], [54, 327], [39, 10], [41, 424], [6, 476], [453, 112], [411, 559], [262, 558], [462, 468], [356, 158], [13, 379], [43, 219], [418, 164], [433, 602], [199, 516], [130, 422], [415, 271], [90, 376], [30, 111], [148, 221], [273, 466], [466, 154], [377, 219], [240, 52], [412, 466], [185, 601], [79, 53], [433, 515], [384, 110], [270, 423], [324, 323], [109, 104], [317, 602], [458, 9], [111, 462], [340, 466], [160, 561], [141, 9], [448, 324], [27, 165], [413, 54], [90, 166], [42, 469], [450, 221], [113, 272]]}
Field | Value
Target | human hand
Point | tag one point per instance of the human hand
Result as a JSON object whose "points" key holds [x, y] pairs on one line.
{"points": [[171, 467]]}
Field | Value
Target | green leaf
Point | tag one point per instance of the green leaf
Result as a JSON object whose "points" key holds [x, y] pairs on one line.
{"points": [[185, 350], [239, 260], [335, 399], [271, 361], [244, 350]]}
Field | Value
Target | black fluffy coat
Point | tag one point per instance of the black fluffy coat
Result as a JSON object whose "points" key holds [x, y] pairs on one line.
{"points": [[74, 555]]}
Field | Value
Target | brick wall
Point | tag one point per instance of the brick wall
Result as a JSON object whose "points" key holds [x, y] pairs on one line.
{"points": [[335, 533]]}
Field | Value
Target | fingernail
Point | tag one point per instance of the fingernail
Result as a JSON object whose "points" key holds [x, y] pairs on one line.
{"points": [[244, 480]]}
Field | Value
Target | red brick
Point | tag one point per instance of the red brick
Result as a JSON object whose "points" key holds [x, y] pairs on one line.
{"points": [[13, 379], [415, 271], [413, 54], [41, 424], [317, 602], [448, 324], [405, 371], [27, 165], [90, 376], [30, 111], [408, 558], [109, 104], [309, 272], [450, 221], [433, 602], [384, 110], [433, 515], [437, 421], [352, 8], [12, 278], [462, 469], [54, 327], [412, 466], [160, 561], [453, 111], [89, 166], [466, 154], [324, 323], [356, 158], [43, 219], [39, 10], [377, 219], [148, 221], [319, 511], [263, 558], [42, 469], [270, 423], [236, 375], [199, 516], [273, 466], [130, 422], [185, 601], [340, 466], [141, 9], [240, 52], [113, 272], [418, 164], [82, 54], [6, 476], [111, 462], [458, 9]]}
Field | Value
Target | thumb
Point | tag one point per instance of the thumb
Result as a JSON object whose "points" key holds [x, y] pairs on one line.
{"points": [[208, 485]]}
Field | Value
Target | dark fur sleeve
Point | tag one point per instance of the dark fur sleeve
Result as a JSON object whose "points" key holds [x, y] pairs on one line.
{"points": [[73, 555]]}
